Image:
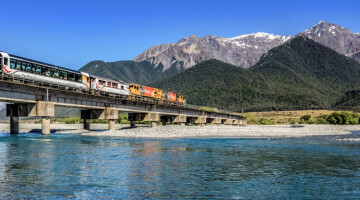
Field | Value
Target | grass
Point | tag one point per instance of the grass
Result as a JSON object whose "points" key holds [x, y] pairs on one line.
{"points": [[286, 117]]}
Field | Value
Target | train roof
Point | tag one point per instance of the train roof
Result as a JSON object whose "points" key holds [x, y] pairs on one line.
{"points": [[43, 63]]}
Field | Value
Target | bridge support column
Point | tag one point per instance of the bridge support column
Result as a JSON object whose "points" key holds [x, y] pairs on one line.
{"points": [[173, 118], [87, 124], [14, 125], [45, 125], [213, 120], [202, 125], [229, 122], [153, 124], [39, 109], [146, 117], [182, 124], [132, 124], [111, 124], [111, 114]]}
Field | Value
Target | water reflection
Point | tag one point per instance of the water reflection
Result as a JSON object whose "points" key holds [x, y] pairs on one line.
{"points": [[70, 166]]}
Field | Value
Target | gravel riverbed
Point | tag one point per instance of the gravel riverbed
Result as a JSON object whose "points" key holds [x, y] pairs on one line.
{"points": [[176, 131]]}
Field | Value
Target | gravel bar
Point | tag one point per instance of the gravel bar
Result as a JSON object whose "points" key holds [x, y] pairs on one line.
{"points": [[176, 131]]}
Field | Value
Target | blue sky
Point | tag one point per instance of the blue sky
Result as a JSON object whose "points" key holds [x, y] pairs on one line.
{"points": [[71, 33]]}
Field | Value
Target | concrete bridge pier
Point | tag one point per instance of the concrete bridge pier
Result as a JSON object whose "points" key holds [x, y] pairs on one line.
{"points": [[45, 125], [213, 120], [146, 117], [200, 120], [39, 109], [228, 122], [111, 124], [153, 124], [14, 125], [108, 113], [87, 124], [132, 124], [174, 119]]}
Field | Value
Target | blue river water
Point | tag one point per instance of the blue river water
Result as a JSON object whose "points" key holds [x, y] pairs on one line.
{"points": [[70, 166]]}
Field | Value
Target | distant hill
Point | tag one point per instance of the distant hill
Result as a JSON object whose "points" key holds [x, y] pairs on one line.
{"points": [[128, 71], [300, 74], [350, 101]]}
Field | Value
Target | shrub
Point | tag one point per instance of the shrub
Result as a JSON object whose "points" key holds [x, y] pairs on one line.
{"points": [[266, 121], [305, 118]]}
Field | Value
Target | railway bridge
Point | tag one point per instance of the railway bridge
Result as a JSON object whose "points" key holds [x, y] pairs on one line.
{"points": [[30, 98]]}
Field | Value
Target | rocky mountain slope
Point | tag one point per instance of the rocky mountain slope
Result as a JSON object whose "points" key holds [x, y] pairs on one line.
{"points": [[243, 51], [336, 37], [300, 74]]}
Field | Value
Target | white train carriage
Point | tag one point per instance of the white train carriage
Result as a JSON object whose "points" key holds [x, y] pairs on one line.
{"points": [[27, 69], [108, 85]]}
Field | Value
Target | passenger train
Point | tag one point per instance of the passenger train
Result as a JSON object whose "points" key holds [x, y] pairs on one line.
{"points": [[27, 69]]}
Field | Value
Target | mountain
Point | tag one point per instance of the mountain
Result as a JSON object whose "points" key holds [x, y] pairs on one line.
{"points": [[350, 100], [300, 74], [243, 51], [128, 71], [336, 37]]}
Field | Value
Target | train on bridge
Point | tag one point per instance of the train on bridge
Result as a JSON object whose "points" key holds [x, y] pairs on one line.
{"points": [[27, 69]]}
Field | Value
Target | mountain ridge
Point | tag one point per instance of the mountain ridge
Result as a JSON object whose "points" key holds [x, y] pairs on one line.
{"points": [[300, 74], [245, 50]]}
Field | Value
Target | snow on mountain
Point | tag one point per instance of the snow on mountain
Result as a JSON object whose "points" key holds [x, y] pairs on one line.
{"points": [[245, 50], [242, 51], [335, 37]]}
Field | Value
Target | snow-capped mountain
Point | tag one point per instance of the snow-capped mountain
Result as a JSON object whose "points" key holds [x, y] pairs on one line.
{"points": [[242, 51], [338, 38], [245, 50]]}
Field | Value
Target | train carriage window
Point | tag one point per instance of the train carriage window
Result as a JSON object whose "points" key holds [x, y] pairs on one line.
{"points": [[78, 78], [5, 61], [23, 66], [55, 73], [122, 87], [63, 75], [33, 68], [38, 69], [101, 82], [71, 76], [12, 64], [109, 84], [18, 65], [28, 67], [45, 71], [115, 85]]}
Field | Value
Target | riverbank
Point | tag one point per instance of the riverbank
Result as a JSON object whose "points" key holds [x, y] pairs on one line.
{"points": [[176, 131]]}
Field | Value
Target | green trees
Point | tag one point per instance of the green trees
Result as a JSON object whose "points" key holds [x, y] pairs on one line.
{"points": [[340, 118]]}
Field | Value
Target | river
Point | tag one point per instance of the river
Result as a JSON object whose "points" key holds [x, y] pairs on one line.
{"points": [[71, 166]]}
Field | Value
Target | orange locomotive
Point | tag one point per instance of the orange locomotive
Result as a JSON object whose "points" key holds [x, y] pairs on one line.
{"points": [[157, 94]]}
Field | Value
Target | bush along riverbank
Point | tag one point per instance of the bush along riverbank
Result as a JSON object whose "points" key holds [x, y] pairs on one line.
{"points": [[339, 118]]}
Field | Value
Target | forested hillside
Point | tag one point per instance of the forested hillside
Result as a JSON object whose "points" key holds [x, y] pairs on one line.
{"points": [[128, 71]]}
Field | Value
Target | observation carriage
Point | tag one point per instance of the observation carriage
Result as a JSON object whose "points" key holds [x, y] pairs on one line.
{"points": [[37, 72]]}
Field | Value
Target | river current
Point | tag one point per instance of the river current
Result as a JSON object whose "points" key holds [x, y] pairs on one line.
{"points": [[71, 166]]}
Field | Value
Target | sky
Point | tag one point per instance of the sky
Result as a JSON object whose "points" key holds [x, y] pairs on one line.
{"points": [[71, 33]]}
